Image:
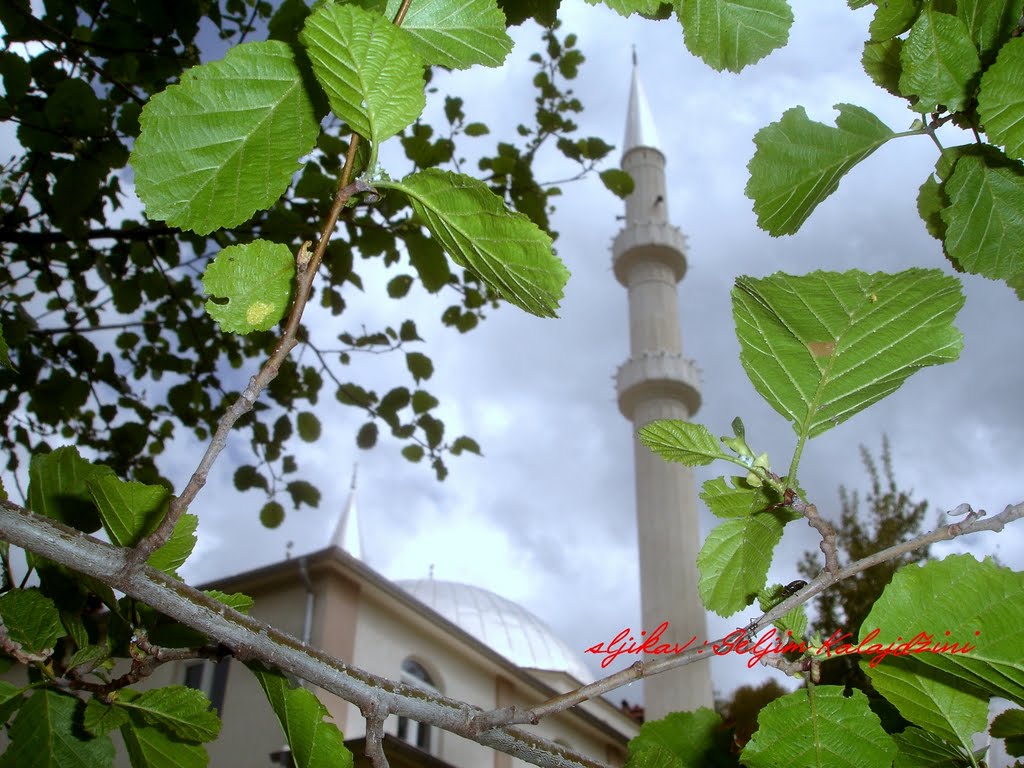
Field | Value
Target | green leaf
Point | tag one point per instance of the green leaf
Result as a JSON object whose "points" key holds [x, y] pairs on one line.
{"points": [[129, 510], [881, 61], [730, 34], [1009, 725], [32, 620], [738, 499], [101, 718], [504, 248], [683, 442], [11, 698], [476, 129], [57, 489], [894, 17], [303, 493], [89, 656], [46, 734], [819, 726], [465, 444], [150, 747], [989, 22], [986, 609], [1000, 100], [372, 75], [413, 453], [628, 7], [734, 560], [423, 401], [456, 35], [920, 749], [251, 286], [224, 142], [688, 736], [271, 515], [419, 365], [399, 286], [236, 600], [617, 181], [172, 555], [822, 347], [308, 426], [181, 711], [939, 62], [5, 359], [314, 743], [985, 217], [798, 163]]}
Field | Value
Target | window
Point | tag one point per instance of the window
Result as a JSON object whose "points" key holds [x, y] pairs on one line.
{"points": [[211, 679], [410, 731]]}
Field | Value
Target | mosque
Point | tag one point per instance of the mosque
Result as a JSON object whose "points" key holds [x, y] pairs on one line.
{"points": [[469, 643]]}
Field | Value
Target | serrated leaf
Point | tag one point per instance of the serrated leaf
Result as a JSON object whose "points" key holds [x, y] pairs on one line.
{"points": [[617, 181], [881, 61], [628, 7], [372, 75], [931, 200], [989, 22], [819, 726], [939, 62], [823, 347], [150, 747], [45, 734], [687, 736], [314, 743], [172, 555], [730, 34], [735, 499], [57, 488], [985, 609], [308, 426], [682, 441], [1001, 101], [251, 286], [225, 141], [129, 509], [31, 619], [985, 218], [456, 35], [798, 163], [88, 656], [181, 711], [894, 17], [734, 560], [920, 749], [504, 248], [101, 718], [11, 698]]}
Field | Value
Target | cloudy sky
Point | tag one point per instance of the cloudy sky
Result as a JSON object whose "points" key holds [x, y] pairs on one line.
{"points": [[546, 517]]}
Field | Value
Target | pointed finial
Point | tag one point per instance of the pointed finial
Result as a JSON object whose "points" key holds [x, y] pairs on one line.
{"points": [[347, 535], [640, 130]]}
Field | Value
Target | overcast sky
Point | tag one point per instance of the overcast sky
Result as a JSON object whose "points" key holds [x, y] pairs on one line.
{"points": [[546, 517]]}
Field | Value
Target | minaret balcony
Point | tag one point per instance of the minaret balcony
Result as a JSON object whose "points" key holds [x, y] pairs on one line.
{"points": [[648, 241], [658, 375]]}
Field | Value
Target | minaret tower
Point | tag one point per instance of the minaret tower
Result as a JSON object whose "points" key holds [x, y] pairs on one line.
{"points": [[657, 382]]}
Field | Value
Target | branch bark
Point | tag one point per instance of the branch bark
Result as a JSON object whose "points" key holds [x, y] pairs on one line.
{"points": [[252, 640]]}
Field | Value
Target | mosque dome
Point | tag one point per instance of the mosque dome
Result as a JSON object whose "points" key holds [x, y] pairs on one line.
{"points": [[503, 626]]}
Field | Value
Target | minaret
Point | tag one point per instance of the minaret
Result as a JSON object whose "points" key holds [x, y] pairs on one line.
{"points": [[347, 535], [657, 382]]}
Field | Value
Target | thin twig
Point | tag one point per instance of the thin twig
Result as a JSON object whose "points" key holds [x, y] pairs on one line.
{"points": [[375, 717], [305, 271]]}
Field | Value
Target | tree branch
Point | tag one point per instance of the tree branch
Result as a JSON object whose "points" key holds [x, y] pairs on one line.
{"points": [[642, 669], [252, 640]]}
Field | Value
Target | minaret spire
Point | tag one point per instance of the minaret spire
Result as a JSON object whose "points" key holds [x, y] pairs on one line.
{"points": [[347, 535], [657, 382]]}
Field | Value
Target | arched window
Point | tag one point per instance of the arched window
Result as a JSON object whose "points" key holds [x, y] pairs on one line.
{"points": [[418, 734]]}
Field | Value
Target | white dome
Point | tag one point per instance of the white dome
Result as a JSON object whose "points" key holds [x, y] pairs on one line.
{"points": [[500, 624]]}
